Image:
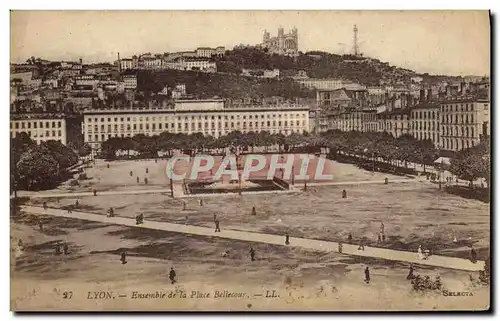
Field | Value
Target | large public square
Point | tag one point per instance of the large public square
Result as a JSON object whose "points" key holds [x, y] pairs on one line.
{"points": [[413, 210]]}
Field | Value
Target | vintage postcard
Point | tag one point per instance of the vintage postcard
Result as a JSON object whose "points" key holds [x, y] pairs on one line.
{"points": [[250, 160]]}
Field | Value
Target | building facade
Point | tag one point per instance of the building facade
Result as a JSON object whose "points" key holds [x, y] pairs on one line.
{"points": [[321, 84], [126, 64], [39, 129], [130, 81], [209, 117], [425, 122], [205, 52], [463, 123], [201, 64], [282, 44]]}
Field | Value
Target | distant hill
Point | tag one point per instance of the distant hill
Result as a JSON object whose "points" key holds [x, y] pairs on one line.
{"points": [[317, 64]]}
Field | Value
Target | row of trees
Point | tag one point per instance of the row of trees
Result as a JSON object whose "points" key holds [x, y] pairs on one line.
{"points": [[473, 163], [38, 166], [149, 146], [383, 146]]}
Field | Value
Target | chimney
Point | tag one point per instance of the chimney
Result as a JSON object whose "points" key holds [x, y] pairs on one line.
{"points": [[429, 94], [462, 88], [422, 95]]}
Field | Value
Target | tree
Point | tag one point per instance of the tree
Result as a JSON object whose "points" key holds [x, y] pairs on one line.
{"points": [[63, 155], [36, 168]]}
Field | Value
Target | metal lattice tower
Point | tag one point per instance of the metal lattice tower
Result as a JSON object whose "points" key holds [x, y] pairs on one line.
{"points": [[355, 41]]}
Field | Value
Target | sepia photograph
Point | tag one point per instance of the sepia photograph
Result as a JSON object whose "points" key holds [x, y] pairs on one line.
{"points": [[250, 161]]}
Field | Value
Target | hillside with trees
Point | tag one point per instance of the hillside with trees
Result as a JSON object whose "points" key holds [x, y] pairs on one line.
{"points": [[317, 64], [208, 85]]}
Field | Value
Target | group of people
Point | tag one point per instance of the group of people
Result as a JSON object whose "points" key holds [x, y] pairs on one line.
{"points": [[64, 247], [361, 247]]}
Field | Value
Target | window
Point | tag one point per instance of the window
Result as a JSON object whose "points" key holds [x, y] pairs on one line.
{"points": [[22, 125], [16, 125], [35, 124], [59, 133]]}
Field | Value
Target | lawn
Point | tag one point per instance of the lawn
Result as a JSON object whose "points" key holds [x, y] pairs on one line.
{"points": [[303, 279]]}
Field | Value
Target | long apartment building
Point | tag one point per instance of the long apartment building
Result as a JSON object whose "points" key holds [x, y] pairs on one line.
{"points": [[209, 117], [39, 128]]}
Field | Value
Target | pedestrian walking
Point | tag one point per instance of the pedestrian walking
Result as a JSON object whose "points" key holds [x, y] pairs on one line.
{"points": [[217, 226], [131, 173], [287, 238], [361, 246], [437, 283], [473, 255], [379, 238], [215, 217], [383, 238], [201, 202], [367, 275], [340, 247], [382, 228], [253, 211], [123, 258], [146, 180], [77, 204], [172, 275], [107, 165], [69, 210], [137, 179], [40, 225], [344, 194], [410, 275], [252, 254], [95, 193], [65, 249], [420, 254], [147, 170], [349, 238], [184, 205], [386, 181]]}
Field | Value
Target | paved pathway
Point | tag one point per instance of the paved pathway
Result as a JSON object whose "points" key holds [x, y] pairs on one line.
{"points": [[380, 253], [103, 193]]}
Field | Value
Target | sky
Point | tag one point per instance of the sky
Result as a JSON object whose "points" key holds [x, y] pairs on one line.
{"points": [[437, 42]]}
